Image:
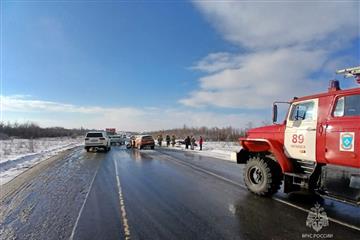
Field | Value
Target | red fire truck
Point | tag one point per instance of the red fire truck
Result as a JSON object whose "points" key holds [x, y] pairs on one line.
{"points": [[317, 146], [110, 131]]}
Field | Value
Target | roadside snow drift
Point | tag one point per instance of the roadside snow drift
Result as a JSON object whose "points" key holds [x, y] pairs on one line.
{"points": [[17, 155], [221, 150]]}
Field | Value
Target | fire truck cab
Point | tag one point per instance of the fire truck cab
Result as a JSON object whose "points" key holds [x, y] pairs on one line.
{"points": [[317, 146]]}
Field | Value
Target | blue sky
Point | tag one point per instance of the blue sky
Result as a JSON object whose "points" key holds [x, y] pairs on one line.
{"points": [[115, 50], [156, 65]]}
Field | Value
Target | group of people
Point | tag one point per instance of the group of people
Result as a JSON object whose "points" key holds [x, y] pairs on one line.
{"points": [[168, 140], [189, 141]]}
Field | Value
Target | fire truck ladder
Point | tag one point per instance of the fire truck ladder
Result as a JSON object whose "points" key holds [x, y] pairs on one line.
{"points": [[351, 72]]}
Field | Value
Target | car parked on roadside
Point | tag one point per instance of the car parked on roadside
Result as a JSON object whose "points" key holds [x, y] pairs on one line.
{"points": [[143, 141], [96, 140]]}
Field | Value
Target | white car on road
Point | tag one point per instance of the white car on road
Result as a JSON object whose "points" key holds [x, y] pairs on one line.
{"points": [[117, 139], [97, 139]]}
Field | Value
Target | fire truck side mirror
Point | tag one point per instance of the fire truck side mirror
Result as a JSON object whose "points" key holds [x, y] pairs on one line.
{"points": [[275, 113]]}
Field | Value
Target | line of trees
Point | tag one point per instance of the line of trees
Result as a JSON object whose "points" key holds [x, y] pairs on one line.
{"points": [[210, 134], [32, 130]]}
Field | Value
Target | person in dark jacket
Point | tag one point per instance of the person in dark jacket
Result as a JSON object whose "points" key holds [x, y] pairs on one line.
{"points": [[167, 140], [201, 140], [160, 138], [187, 142], [173, 139]]}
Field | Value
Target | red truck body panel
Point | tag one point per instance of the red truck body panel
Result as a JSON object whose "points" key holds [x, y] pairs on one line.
{"points": [[328, 130]]}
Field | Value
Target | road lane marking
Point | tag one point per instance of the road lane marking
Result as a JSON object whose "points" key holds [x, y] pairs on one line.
{"points": [[83, 205], [122, 205], [180, 162]]}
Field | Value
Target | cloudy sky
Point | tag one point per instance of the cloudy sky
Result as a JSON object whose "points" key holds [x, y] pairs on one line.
{"points": [[157, 64]]}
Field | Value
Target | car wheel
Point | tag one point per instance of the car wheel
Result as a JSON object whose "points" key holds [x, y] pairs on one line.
{"points": [[152, 147], [87, 149]]}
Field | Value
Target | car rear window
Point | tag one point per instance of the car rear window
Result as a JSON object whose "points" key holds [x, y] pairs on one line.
{"points": [[147, 138], [94, 135]]}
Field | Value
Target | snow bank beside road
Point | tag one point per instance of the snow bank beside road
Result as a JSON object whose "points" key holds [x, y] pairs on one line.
{"points": [[16, 155], [221, 150]]}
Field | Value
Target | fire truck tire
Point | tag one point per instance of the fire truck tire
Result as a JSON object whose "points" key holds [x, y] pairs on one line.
{"points": [[262, 176]]}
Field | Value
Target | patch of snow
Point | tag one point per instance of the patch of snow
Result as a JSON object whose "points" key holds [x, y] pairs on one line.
{"points": [[17, 155], [221, 150]]}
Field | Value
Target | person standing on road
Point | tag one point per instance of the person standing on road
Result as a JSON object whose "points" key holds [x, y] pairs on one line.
{"points": [[187, 142], [193, 141], [167, 140], [201, 140], [160, 138], [173, 140]]}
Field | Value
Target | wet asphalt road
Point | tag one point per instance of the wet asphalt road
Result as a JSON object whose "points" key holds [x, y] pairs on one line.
{"points": [[157, 194]]}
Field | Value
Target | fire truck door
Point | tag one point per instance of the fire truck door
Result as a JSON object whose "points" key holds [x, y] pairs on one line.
{"points": [[300, 132], [343, 132]]}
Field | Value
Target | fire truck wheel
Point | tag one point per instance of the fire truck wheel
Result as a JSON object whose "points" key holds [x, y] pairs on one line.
{"points": [[262, 176]]}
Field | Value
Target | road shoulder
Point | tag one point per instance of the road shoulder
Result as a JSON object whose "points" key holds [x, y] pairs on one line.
{"points": [[15, 184]]}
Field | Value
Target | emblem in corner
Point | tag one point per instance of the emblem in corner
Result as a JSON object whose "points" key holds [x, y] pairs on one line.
{"points": [[347, 141]]}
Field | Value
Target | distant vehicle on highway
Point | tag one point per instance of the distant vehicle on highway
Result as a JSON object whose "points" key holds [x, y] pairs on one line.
{"points": [[110, 131], [142, 141], [117, 139], [96, 140]]}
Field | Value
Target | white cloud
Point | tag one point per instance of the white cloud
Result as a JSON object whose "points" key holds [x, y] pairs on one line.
{"points": [[262, 77], [47, 113], [284, 23], [22, 103], [218, 61], [286, 42]]}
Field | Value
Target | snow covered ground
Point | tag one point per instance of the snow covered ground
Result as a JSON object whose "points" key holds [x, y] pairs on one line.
{"points": [[221, 150], [17, 155]]}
